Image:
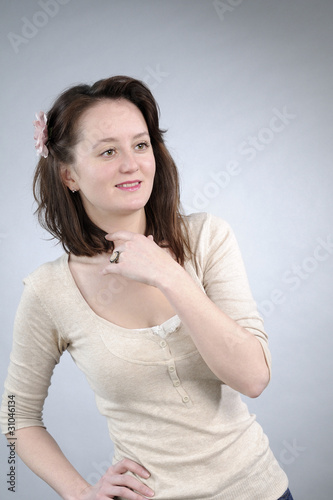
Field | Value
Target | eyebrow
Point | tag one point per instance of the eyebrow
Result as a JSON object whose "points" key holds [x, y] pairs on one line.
{"points": [[114, 139]]}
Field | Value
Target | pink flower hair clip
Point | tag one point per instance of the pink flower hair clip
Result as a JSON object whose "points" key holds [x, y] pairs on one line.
{"points": [[41, 134]]}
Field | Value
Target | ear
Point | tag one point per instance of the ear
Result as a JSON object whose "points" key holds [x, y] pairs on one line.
{"points": [[68, 177]]}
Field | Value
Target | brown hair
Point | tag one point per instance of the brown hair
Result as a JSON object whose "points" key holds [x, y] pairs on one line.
{"points": [[61, 212]]}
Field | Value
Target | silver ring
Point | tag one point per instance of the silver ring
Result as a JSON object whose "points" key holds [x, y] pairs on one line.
{"points": [[115, 259]]}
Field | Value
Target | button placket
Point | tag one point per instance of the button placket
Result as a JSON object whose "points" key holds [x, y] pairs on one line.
{"points": [[172, 371]]}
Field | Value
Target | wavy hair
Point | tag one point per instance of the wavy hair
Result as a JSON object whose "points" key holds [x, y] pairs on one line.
{"points": [[61, 212]]}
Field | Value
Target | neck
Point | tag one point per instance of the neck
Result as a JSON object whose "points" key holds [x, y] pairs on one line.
{"points": [[134, 222]]}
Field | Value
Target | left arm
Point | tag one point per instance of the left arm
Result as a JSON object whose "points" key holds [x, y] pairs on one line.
{"points": [[232, 352]]}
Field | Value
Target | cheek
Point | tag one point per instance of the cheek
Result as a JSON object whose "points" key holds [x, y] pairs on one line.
{"points": [[148, 167], [151, 166]]}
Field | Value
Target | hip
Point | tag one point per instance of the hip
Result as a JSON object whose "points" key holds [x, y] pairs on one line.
{"points": [[286, 495]]}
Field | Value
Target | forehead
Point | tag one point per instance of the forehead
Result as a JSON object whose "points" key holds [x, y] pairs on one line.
{"points": [[114, 117]]}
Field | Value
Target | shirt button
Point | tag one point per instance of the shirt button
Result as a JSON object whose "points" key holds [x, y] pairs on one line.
{"points": [[163, 343], [171, 368], [176, 383], [186, 399]]}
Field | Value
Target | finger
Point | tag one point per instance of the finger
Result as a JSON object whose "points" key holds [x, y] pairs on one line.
{"points": [[126, 464], [124, 481], [120, 249], [120, 492], [119, 235]]}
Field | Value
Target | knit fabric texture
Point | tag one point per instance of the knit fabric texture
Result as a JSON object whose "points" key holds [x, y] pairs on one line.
{"points": [[164, 407]]}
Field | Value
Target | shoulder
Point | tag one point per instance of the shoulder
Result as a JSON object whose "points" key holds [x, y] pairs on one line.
{"points": [[204, 227], [211, 239], [47, 276], [43, 291]]}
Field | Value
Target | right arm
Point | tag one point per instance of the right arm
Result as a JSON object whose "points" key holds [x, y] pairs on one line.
{"points": [[37, 347], [40, 452]]}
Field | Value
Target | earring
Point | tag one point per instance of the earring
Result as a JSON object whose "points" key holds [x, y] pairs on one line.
{"points": [[73, 190]]}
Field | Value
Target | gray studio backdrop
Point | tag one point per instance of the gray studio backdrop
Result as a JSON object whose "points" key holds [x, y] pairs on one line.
{"points": [[245, 91]]}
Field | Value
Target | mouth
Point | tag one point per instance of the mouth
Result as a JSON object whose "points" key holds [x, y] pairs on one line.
{"points": [[129, 186]]}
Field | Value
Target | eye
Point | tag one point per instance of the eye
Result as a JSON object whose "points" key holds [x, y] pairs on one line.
{"points": [[109, 152], [142, 146]]}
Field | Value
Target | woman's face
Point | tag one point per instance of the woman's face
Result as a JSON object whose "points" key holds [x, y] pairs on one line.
{"points": [[114, 162]]}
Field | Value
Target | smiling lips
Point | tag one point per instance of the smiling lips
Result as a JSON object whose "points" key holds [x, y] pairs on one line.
{"points": [[129, 186]]}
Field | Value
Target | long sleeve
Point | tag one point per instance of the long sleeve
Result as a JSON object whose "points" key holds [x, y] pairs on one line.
{"points": [[37, 347]]}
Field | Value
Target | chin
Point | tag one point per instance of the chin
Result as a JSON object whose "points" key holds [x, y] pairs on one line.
{"points": [[130, 210]]}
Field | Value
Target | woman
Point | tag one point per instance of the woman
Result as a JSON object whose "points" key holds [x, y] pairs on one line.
{"points": [[154, 307]]}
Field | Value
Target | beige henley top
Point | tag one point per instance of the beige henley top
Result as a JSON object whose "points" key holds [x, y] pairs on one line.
{"points": [[164, 407]]}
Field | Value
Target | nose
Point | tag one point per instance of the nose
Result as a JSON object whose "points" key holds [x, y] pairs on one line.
{"points": [[128, 163]]}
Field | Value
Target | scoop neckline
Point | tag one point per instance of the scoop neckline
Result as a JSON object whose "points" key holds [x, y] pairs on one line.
{"points": [[84, 303]]}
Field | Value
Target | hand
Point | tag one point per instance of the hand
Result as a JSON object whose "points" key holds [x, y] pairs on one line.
{"points": [[116, 483], [140, 259]]}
